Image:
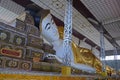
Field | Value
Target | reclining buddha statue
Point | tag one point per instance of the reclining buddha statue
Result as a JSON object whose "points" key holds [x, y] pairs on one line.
{"points": [[81, 58]]}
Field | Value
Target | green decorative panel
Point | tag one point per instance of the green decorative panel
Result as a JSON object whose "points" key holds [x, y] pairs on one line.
{"points": [[32, 30], [20, 25], [4, 36], [11, 63], [25, 65], [19, 40], [34, 41], [31, 53]]}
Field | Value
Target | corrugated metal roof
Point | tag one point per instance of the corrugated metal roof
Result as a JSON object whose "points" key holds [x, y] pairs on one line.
{"points": [[7, 15], [11, 6], [103, 9], [107, 12], [9, 10], [113, 29]]}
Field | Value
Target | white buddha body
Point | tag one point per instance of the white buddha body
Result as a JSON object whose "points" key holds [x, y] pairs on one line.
{"points": [[50, 33]]}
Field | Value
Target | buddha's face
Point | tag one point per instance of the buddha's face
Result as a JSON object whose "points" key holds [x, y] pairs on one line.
{"points": [[49, 29]]}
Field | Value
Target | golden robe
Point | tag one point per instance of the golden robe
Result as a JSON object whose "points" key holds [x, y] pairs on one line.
{"points": [[83, 55]]}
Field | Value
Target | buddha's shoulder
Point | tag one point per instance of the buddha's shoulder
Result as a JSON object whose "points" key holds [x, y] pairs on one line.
{"points": [[74, 45]]}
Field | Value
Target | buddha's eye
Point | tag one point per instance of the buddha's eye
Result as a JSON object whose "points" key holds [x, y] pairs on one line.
{"points": [[47, 26]]}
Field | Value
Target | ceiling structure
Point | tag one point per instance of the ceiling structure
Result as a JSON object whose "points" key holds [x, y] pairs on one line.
{"points": [[80, 23], [105, 11]]}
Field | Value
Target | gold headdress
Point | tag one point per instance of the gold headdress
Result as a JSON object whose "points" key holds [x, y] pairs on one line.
{"points": [[36, 11], [42, 15]]}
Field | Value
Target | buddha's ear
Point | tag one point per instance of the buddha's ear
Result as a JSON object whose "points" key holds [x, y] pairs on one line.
{"points": [[42, 14]]}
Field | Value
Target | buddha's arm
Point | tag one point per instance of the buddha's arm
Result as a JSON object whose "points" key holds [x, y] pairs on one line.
{"points": [[85, 56], [82, 55]]}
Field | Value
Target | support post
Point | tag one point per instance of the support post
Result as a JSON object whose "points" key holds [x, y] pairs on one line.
{"points": [[102, 49], [115, 59], [67, 33], [66, 69]]}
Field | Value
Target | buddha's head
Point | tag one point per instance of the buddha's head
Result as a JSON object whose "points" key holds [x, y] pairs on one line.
{"points": [[48, 27]]}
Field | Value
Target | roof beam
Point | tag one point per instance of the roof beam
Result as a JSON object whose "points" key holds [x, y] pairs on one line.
{"points": [[106, 34], [111, 52], [117, 38], [105, 22]]}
